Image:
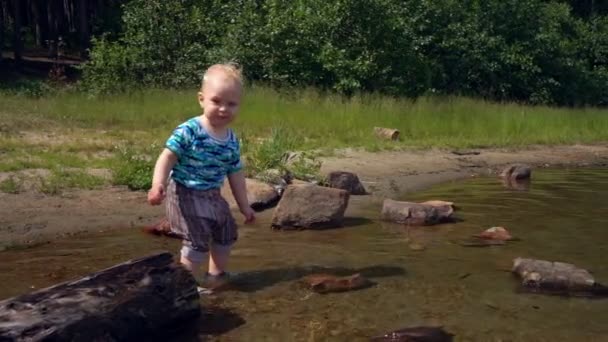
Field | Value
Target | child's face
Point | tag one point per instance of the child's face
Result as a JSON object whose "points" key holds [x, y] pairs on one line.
{"points": [[220, 99]]}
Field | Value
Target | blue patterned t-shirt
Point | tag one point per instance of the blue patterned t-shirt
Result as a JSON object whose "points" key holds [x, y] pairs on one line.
{"points": [[202, 160]]}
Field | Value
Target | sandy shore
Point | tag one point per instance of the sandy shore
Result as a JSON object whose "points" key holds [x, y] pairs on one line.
{"points": [[29, 218]]}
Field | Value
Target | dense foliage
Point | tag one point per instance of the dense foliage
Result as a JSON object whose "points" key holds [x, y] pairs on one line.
{"points": [[524, 50]]}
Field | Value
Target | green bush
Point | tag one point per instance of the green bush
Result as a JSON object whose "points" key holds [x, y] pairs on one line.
{"points": [[534, 50]]}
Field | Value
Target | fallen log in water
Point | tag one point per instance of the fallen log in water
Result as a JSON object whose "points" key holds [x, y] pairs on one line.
{"points": [[138, 300], [556, 278]]}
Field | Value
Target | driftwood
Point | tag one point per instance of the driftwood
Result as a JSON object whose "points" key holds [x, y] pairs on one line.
{"points": [[556, 278], [138, 300], [387, 133]]}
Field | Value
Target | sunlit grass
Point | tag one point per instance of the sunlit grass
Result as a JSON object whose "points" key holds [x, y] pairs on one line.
{"points": [[71, 129], [323, 120]]}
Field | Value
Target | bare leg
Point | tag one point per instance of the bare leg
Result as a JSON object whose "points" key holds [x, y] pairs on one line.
{"points": [[196, 268], [193, 260], [218, 259]]}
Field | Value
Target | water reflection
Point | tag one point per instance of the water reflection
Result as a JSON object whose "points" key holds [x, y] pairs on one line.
{"points": [[257, 280], [423, 276], [516, 184]]}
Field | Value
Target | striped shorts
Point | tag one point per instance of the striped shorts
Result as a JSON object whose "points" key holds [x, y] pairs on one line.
{"points": [[199, 217]]}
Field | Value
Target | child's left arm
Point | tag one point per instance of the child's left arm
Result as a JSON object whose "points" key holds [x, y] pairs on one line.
{"points": [[239, 191]]}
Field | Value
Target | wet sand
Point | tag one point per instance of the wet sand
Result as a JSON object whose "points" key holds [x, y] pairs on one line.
{"points": [[32, 218]]}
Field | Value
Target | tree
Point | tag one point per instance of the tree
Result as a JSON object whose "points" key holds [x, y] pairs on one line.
{"points": [[84, 27], [17, 42], [1, 29]]}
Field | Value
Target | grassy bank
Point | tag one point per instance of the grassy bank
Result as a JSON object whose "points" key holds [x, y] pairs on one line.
{"points": [[325, 120], [70, 130]]}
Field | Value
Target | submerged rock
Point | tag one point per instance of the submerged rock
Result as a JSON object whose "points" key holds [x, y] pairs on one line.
{"points": [[326, 283], [417, 214], [556, 277], [416, 334], [495, 233]]}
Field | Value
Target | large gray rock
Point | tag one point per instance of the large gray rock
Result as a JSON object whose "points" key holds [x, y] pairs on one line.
{"points": [[310, 206], [346, 181], [260, 195], [416, 214]]}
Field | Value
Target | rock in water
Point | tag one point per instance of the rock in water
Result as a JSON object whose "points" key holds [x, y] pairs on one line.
{"points": [[417, 214], [346, 181], [326, 283], [556, 277], [516, 172], [495, 233], [416, 334], [310, 206], [161, 228]]}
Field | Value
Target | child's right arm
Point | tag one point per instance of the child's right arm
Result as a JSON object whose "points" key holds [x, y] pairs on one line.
{"points": [[164, 164]]}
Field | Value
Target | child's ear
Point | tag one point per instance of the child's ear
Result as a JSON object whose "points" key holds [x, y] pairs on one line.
{"points": [[200, 98]]}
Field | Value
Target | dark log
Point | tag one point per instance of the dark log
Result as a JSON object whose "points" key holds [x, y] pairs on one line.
{"points": [[139, 300]]}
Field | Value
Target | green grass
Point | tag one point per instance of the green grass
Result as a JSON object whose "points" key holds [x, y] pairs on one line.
{"points": [[61, 179], [125, 132], [10, 185], [327, 121]]}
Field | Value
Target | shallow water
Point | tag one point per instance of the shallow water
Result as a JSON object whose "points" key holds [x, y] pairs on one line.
{"points": [[422, 275]]}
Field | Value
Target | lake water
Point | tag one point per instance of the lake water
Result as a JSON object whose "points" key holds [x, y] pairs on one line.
{"points": [[422, 275]]}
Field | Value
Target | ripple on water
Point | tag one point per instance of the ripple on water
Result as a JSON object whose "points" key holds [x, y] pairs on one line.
{"points": [[469, 291]]}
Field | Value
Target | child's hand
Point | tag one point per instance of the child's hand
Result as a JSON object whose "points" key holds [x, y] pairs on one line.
{"points": [[156, 194], [249, 215]]}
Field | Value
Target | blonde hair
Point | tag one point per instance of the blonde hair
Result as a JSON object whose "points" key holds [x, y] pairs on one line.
{"points": [[230, 70]]}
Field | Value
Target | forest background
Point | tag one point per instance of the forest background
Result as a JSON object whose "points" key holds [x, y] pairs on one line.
{"points": [[536, 51]]}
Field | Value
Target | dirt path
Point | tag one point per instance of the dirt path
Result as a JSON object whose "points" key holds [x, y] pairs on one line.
{"points": [[29, 218]]}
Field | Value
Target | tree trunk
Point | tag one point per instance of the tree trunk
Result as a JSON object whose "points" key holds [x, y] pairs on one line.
{"points": [[37, 22], [138, 300], [83, 19], [52, 20], [1, 29], [17, 43]]}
